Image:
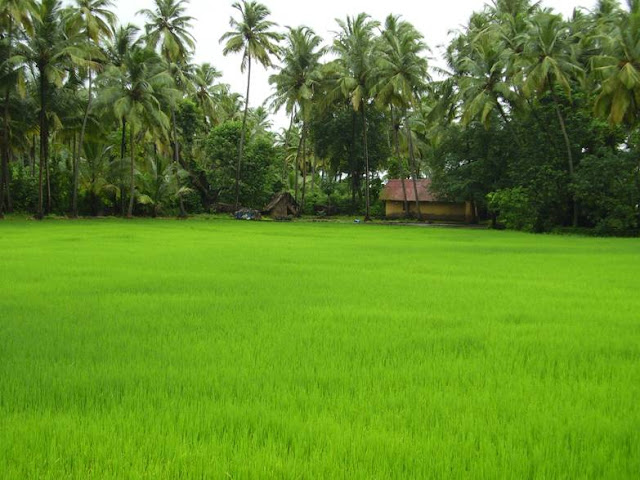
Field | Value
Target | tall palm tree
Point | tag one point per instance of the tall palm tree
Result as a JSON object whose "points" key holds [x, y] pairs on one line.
{"points": [[549, 62], [52, 49], [354, 46], [135, 91], [296, 82], [482, 80], [118, 50], [400, 74], [97, 23], [13, 15], [619, 69], [123, 41], [168, 28], [204, 82], [252, 36]]}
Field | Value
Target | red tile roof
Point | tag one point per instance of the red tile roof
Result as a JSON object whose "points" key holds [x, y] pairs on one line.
{"points": [[393, 191]]}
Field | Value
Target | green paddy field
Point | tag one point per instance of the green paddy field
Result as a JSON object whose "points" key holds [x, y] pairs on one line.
{"points": [[221, 349]]}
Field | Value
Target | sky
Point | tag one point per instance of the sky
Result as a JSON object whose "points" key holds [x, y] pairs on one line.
{"points": [[434, 19]]}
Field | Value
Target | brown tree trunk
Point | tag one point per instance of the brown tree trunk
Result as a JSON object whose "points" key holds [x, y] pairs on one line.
{"points": [[44, 139], [123, 151], [414, 168], [176, 161], [131, 173], [296, 168], [314, 166], [76, 159], [47, 167], [367, 216], [285, 173], [304, 165], [243, 133], [396, 139], [567, 143], [4, 169], [33, 157]]}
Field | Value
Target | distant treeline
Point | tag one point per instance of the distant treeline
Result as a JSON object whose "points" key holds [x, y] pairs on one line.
{"points": [[535, 117]]}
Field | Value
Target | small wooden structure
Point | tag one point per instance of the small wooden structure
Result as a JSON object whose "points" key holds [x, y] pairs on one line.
{"points": [[283, 205], [431, 207]]}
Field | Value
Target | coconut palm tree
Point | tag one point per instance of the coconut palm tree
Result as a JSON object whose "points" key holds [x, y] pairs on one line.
{"points": [[118, 49], [51, 49], [400, 74], [482, 80], [168, 28], [549, 62], [618, 67], [354, 46], [14, 14], [204, 82], [135, 91], [97, 24], [295, 84], [252, 36], [123, 41]]}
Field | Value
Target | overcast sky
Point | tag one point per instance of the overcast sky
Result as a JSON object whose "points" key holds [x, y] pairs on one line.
{"points": [[435, 19]]}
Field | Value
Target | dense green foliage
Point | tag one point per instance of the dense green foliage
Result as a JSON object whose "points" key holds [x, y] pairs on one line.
{"points": [[258, 174], [114, 119], [205, 349]]}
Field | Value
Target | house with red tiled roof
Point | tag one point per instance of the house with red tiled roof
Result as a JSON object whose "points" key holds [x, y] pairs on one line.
{"points": [[431, 208]]}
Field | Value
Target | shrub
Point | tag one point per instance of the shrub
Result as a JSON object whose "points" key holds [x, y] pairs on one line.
{"points": [[607, 189], [513, 207]]}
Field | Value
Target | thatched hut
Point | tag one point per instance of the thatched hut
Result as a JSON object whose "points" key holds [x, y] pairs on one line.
{"points": [[283, 205]]}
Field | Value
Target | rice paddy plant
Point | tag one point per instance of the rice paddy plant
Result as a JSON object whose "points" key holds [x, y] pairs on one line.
{"points": [[219, 349]]}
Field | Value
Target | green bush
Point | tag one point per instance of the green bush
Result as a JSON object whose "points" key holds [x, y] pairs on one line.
{"points": [[606, 187], [513, 207], [23, 188]]}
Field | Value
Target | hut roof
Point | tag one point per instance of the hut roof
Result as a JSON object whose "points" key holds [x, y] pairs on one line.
{"points": [[393, 191], [279, 197]]}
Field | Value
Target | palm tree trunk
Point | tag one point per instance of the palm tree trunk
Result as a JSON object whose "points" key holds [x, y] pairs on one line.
{"points": [[507, 122], [414, 168], [396, 139], [76, 160], [74, 152], [94, 196], [123, 151], [297, 165], [4, 169], [44, 138], [33, 157], [131, 173], [4, 173], [352, 165], [176, 158], [367, 216], [567, 142], [314, 166], [243, 133], [304, 165], [49, 207], [285, 173]]}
